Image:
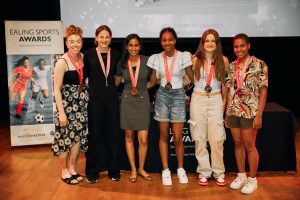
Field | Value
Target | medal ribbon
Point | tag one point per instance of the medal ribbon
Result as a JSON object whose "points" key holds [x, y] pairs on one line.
{"points": [[211, 72], [79, 68], [241, 76], [169, 73], [134, 78], [105, 72]]}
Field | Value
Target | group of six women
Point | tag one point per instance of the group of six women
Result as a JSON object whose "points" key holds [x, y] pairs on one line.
{"points": [[85, 85]]}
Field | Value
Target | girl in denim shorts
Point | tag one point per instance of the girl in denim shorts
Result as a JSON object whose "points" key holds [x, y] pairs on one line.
{"points": [[171, 66]]}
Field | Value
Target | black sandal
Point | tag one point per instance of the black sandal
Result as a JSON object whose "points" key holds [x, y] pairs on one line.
{"points": [[70, 180], [77, 177]]}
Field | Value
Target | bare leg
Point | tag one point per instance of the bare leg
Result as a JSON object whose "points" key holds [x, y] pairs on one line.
{"points": [[74, 152], [143, 147], [129, 144], [249, 138], [31, 106], [177, 129], [239, 149], [164, 143], [22, 96], [45, 93], [63, 159], [13, 96], [34, 95]]}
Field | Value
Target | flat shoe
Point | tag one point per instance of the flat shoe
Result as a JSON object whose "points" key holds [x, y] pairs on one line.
{"points": [[78, 177], [132, 179], [70, 180], [147, 177]]}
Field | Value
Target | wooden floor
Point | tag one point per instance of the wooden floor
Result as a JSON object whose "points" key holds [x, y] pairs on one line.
{"points": [[33, 173]]}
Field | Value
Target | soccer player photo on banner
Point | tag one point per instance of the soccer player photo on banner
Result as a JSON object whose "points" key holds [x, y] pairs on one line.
{"points": [[32, 49]]}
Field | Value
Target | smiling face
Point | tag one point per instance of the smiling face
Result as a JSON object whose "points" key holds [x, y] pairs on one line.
{"points": [[26, 63], [74, 43], [133, 47], [42, 64], [241, 48], [103, 39], [168, 42], [210, 44]]}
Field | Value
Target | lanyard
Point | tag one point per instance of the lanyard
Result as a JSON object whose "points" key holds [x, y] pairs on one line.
{"points": [[105, 71], [134, 78], [241, 76], [169, 73], [211, 71]]}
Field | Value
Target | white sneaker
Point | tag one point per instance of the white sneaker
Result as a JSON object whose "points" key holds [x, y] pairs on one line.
{"points": [[202, 181], [181, 174], [250, 186], [239, 181], [220, 181], [166, 177]]}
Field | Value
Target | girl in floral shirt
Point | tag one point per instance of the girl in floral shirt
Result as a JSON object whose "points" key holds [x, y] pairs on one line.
{"points": [[247, 82]]}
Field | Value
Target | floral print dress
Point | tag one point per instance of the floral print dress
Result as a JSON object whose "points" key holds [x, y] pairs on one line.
{"points": [[75, 101]]}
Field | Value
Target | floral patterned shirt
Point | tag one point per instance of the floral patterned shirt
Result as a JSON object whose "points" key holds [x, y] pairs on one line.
{"points": [[256, 76]]}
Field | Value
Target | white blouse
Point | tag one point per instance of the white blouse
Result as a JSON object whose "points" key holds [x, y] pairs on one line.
{"points": [[183, 60]]}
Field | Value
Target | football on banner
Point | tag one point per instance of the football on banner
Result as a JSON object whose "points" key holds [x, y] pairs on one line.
{"points": [[39, 118]]}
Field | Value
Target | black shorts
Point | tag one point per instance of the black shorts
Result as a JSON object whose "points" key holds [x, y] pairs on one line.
{"points": [[238, 122]]}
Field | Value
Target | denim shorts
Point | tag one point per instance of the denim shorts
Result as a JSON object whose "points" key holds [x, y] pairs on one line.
{"points": [[238, 122], [170, 105]]}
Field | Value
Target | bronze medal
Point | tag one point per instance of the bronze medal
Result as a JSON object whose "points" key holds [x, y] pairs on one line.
{"points": [[207, 88], [134, 91], [239, 93], [168, 86]]}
